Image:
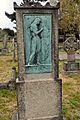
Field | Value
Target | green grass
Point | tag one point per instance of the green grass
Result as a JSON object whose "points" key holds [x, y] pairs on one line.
{"points": [[6, 64], [7, 103], [71, 94], [0, 45], [7, 98]]}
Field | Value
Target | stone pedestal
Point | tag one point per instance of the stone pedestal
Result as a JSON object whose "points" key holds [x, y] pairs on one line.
{"points": [[42, 99]]}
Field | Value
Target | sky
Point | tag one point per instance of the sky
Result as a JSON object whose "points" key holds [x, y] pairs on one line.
{"points": [[7, 5]]}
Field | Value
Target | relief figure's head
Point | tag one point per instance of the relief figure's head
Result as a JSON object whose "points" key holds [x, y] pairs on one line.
{"points": [[37, 20]]}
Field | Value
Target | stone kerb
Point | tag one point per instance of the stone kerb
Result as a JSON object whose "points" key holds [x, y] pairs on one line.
{"points": [[71, 46]]}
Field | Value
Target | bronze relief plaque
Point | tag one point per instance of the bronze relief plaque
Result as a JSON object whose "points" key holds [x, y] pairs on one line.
{"points": [[37, 43]]}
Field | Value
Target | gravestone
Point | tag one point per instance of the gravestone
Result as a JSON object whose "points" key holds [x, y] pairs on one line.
{"points": [[71, 46], [39, 89], [4, 49], [13, 50]]}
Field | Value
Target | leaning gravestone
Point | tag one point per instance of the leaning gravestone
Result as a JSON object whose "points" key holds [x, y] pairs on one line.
{"points": [[71, 46], [39, 89]]}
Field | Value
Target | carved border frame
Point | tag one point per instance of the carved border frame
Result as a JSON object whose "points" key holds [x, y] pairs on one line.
{"points": [[20, 38]]}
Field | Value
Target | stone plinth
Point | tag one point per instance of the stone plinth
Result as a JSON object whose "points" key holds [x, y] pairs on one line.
{"points": [[42, 99], [71, 67]]}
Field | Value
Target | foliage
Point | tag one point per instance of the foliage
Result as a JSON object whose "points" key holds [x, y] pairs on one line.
{"points": [[70, 16], [12, 16], [7, 103], [2, 33], [9, 32]]}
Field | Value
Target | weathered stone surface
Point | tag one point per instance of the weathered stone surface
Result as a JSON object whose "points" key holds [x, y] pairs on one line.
{"points": [[42, 99], [54, 2], [5, 49], [39, 95], [40, 3], [71, 46], [15, 116], [71, 67], [13, 50]]}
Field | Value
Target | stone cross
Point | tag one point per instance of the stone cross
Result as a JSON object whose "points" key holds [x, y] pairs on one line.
{"points": [[71, 46]]}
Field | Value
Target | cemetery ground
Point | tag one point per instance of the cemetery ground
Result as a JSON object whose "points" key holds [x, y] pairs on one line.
{"points": [[71, 89]]}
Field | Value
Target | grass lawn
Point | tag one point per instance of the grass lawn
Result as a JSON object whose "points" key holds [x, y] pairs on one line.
{"points": [[7, 98], [71, 91], [7, 104], [71, 94]]}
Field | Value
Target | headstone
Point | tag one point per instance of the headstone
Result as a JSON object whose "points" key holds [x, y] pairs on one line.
{"points": [[11, 83], [39, 89], [14, 73], [71, 46], [4, 49], [13, 51]]}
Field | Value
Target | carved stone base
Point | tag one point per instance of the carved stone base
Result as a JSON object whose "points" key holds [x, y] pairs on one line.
{"points": [[70, 67]]}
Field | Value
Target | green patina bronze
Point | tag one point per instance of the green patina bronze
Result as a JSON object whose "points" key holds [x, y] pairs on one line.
{"points": [[37, 43]]}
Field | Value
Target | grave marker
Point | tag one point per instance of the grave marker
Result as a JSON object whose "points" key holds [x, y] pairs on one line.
{"points": [[39, 89], [4, 49], [71, 46]]}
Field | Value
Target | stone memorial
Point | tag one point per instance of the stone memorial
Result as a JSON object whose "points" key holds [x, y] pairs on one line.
{"points": [[4, 49], [13, 50], [71, 46], [39, 89]]}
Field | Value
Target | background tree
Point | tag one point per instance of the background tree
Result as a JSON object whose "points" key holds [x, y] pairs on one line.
{"points": [[1, 34], [9, 32], [70, 16]]}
